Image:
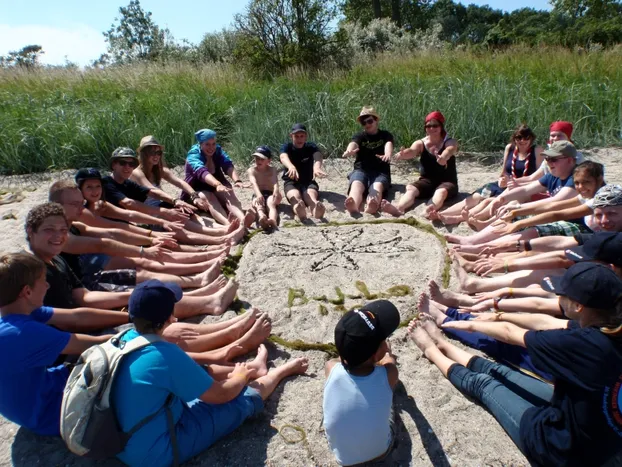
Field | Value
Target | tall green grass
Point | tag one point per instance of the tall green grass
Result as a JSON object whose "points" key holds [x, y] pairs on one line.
{"points": [[54, 119]]}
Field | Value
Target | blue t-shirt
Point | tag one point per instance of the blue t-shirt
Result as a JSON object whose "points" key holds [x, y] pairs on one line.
{"points": [[554, 184], [583, 423], [142, 385], [31, 391]]}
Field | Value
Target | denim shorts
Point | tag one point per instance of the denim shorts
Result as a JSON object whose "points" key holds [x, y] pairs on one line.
{"points": [[369, 178]]}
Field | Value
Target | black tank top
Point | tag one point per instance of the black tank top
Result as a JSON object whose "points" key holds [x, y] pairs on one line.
{"points": [[520, 168], [436, 172]]}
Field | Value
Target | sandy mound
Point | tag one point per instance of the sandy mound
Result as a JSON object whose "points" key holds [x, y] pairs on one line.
{"points": [[437, 425]]}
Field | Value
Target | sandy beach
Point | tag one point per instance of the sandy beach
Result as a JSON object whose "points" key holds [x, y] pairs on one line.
{"points": [[436, 424]]}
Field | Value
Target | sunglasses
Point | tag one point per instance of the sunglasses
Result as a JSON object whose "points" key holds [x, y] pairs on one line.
{"points": [[554, 159], [127, 163], [521, 138], [157, 152], [433, 125], [368, 121]]}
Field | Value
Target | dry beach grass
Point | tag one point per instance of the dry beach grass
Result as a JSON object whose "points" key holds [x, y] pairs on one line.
{"points": [[437, 425]]}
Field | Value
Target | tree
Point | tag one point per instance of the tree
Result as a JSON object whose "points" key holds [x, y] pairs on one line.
{"points": [[277, 34], [27, 57], [135, 36]]}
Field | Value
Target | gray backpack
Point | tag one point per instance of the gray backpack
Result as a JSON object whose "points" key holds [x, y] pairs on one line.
{"points": [[88, 423]]}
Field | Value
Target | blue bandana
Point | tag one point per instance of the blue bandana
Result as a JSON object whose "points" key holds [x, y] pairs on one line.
{"points": [[204, 135]]}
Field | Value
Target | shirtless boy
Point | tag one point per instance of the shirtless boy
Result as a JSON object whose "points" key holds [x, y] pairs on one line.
{"points": [[264, 181]]}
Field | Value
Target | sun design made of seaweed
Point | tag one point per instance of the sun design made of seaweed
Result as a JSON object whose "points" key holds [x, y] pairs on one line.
{"points": [[339, 246]]}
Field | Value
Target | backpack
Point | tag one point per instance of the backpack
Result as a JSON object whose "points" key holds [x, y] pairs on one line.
{"points": [[88, 423]]}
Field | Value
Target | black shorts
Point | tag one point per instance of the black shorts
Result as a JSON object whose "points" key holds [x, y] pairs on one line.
{"points": [[117, 280], [265, 193], [427, 187], [289, 185]]}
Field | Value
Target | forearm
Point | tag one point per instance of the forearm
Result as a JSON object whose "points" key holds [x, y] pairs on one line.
{"points": [[104, 300], [534, 322], [162, 196], [504, 332], [556, 242], [233, 175], [89, 319], [535, 305], [210, 180], [548, 260], [142, 208], [118, 248], [131, 237]]}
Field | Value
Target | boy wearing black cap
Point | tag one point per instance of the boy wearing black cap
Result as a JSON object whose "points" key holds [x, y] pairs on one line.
{"points": [[264, 181], [204, 410], [576, 422], [303, 164], [358, 392]]}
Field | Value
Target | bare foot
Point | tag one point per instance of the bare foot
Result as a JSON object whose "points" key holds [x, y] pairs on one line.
{"points": [[296, 366], [431, 212], [477, 224], [210, 274], [273, 224], [260, 363], [350, 205], [300, 209], [233, 225], [467, 284], [246, 323], [425, 308], [249, 217], [319, 210], [237, 235], [223, 298], [210, 288], [473, 249], [387, 207], [446, 297], [467, 265], [372, 205], [459, 239], [420, 336], [429, 323], [263, 221], [258, 333]]}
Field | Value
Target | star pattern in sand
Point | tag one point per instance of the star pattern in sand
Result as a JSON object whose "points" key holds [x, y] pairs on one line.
{"points": [[339, 246]]}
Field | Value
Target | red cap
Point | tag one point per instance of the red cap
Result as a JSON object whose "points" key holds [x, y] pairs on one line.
{"points": [[436, 115], [564, 127]]}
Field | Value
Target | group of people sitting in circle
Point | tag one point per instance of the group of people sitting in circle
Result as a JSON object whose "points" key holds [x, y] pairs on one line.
{"points": [[106, 251]]}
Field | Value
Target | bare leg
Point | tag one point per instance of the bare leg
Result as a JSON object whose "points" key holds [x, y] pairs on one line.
{"points": [[259, 366], [469, 203], [232, 204], [449, 298], [355, 197], [451, 351], [425, 343], [387, 207], [216, 209], [209, 289], [212, 305], [312, 198], [273, 213], [485, 235], [440, 195], [407, 200], [374, 198], [267, 384]]}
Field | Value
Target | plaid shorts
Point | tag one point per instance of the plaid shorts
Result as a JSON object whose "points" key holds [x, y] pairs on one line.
{"points": [[563, 228]]}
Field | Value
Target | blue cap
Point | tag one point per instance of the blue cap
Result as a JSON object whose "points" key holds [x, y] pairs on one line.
{"points": [[592, 285], [154, 300], [601, 246], [298, 127], [204, 135], [264, 152], [87, 174]]}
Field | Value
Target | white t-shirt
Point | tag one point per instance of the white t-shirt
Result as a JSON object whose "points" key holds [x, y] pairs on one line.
{"points": [[357, 414], [589, 220]]}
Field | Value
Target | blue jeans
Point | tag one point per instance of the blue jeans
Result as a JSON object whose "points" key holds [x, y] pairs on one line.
{"points": [[512, 354], [505, 392]]}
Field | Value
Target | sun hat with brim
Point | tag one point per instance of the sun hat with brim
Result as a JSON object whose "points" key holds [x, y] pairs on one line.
{"points": [[123, 153], [561, 149], [592, 285], [148, 141], [601, 246], [360, 332], [154, 301], [263, 152], [367, 112]]}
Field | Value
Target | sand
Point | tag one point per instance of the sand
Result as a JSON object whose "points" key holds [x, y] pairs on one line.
{"points": [[436, 424]]}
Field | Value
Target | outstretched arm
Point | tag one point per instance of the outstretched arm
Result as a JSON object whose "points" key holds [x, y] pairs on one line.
{"points": [[86, 319], [504, 332]]}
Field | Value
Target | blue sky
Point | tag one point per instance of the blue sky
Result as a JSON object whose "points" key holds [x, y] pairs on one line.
{"points": [[73, 28]]}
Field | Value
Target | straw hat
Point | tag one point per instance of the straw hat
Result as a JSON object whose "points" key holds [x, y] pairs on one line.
{"points": [[366, 112], [148, 141]]}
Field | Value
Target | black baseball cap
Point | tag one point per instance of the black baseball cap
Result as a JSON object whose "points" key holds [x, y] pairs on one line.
{"points": [[592, 285], [360, 332], [298, 127], [263, 151], [87, 174], [154, 300], [601, 246]]}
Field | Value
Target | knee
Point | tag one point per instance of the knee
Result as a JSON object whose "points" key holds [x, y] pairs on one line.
{"points": [[442, 192], [412, 190]]}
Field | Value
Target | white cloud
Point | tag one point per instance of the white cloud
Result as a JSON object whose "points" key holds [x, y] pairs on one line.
{"points": [[80, 44]]}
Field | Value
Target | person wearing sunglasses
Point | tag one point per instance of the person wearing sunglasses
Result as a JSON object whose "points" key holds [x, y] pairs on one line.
{"points": [[372, 148], [561, 157], [521, 158], [439, 177]]}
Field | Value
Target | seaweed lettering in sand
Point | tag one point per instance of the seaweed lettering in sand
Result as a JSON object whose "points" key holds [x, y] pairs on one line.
{"points": [[341, 247]]}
